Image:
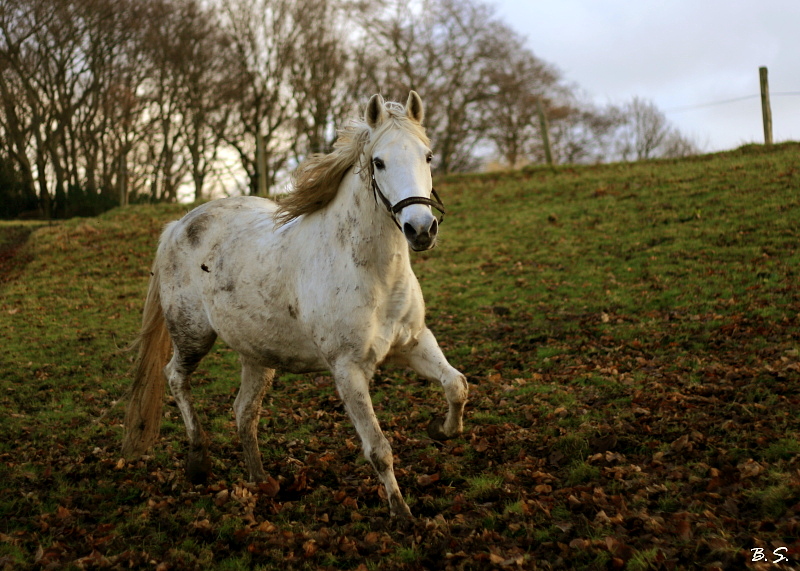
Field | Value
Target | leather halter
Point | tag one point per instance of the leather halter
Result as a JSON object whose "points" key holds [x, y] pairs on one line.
{"points": [[395, 210]]}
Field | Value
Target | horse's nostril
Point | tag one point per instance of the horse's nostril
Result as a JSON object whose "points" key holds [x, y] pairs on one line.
{"points": [[434, 229], [409, 231]]}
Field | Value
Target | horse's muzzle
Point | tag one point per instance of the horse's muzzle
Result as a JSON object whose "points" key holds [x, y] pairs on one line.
{"points": [[421, 239]]}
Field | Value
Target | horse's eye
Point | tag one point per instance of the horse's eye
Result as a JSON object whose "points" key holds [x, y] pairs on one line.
{"points": [[378, 164], [429, 157]]}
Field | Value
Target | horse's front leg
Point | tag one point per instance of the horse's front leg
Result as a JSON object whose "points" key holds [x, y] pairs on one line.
{"points": [[353, 386], [427, 359]]}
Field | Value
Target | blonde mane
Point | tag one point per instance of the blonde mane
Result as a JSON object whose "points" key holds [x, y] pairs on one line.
{"points": [[316, 181]]}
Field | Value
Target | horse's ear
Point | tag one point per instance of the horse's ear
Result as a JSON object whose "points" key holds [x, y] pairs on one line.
{"points": [[376, 111], [414, 109]]}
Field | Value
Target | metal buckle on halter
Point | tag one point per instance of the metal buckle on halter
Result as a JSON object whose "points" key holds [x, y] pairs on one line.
{"points": [[395, 210]]}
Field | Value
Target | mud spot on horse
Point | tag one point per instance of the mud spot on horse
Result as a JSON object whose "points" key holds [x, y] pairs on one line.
{"points": [[342, 234], [378, 463], [229, 287], [275, 360], [219, 261], [204, 268], [171, 261], [292, 312], [195, 229], [359, 259]]}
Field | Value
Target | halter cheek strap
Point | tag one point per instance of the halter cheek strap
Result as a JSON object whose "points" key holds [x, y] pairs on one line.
{"points": [[395, 210]]}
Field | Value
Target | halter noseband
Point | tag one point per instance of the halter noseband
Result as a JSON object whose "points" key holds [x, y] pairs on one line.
{"points": [[395, 210]]}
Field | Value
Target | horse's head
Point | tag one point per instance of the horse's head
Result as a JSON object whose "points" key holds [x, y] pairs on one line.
{"points": [[400, 158]]}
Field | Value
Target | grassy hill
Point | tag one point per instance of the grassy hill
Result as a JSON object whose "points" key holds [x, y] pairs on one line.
{"points": [[631, 334]]}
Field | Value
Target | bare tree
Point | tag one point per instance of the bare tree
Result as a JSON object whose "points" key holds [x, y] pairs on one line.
{"points": [[582, 133], [518, 81], [15, 123], [678, 145], [137, 97], [320, 76], [164, 92], [646, 133], [15, 193], [264, 35], [22, 25], [446, 50], [56, 79], [202, 64], [110, 124]]}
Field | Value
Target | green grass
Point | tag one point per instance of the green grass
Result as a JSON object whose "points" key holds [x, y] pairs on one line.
{"points": [[642, 560], [483, 487], [629, 331], [580, 472], [783, 449]]}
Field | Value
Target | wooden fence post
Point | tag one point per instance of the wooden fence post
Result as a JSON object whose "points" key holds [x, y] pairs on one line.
{"points": [[545, 134], [766, 111], [122, 179], [261, 166]]}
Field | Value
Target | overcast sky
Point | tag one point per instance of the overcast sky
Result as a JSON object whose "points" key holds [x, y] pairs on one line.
{"points": [[677, 53]]}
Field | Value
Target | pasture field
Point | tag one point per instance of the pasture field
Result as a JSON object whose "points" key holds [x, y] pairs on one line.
{"points": [[631, 334]]}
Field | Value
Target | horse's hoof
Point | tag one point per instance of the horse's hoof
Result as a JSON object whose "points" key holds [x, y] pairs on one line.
{"points": [[197, 477], [258, 478], [403, 525], [402, 514], [436, 429], [399, 508], [198, 467]]}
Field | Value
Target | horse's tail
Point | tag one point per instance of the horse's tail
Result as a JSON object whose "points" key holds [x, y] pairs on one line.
{"points": [[146, 396]]}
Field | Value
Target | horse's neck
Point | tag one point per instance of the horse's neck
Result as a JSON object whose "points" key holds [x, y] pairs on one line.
{"points": [[371, 234]]}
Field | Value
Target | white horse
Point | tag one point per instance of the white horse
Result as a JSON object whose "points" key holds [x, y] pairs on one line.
{"points": [[320, 281]]}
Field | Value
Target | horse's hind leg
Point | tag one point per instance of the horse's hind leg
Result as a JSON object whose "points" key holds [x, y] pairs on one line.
{"points": [[427, 359], [188, 350], [256, 380]]}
